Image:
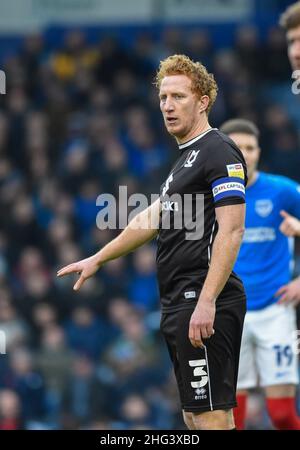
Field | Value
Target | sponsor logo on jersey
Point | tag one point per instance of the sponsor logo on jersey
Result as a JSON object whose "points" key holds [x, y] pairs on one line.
{"points": [[259, 234], [235, 170], [169, 206], [190, 294], [264, 207], [191, 158]]}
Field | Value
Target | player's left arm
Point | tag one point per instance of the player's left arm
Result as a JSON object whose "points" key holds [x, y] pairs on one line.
{"points": [[231, 219]]}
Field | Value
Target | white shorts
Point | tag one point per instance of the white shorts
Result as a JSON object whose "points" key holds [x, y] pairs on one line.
{"points": [[268, 351]]}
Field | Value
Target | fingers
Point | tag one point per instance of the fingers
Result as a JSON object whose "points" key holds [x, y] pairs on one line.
{"points": [[197, 334], [204, 332], [284, 214], [71, 268], [287, 229], [197, 343], [195, 338], [79, 283], [210, 331], [290, 225], [286, 298], [207, 332], [282, 228], [281, 291], [289, 297], [289, 294], [283, 299]]}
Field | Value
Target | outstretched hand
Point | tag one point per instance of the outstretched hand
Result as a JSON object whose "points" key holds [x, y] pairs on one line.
{"points": [[86, 268], [290, 226]]}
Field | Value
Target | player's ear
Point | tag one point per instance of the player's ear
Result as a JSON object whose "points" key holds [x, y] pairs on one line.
{"points": [[203, 103]]}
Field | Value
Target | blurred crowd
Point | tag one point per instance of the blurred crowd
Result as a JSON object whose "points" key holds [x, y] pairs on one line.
{"points": [[77, 121]]}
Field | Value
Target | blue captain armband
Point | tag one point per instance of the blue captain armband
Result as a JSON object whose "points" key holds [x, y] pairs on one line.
{"points": [[228, 187]]}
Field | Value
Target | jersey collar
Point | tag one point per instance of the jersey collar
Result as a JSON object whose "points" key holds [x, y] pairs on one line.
{"points": [[195, 139]]}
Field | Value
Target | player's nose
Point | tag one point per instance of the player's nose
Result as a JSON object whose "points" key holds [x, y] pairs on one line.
{"points": [[169, 105]]}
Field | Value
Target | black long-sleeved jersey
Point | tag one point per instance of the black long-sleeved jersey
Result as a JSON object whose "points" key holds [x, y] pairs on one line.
{"points": [[210, 172]]}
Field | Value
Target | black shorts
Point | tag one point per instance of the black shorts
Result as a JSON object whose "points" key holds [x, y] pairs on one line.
{"points": [[206, 377]]}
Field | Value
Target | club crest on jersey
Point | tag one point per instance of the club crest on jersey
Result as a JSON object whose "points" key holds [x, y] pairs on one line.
{"points": [[264, 207], [191, 159], [235, 170]]}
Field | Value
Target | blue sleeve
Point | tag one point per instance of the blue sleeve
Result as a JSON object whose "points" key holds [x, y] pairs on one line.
{"points": [[292, 198]]}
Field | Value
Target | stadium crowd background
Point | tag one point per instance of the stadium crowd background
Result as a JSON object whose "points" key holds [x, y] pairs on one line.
{"points": [[80, 118]]}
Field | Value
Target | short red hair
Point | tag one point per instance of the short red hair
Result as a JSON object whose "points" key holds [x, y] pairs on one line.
{"points": [[203, 83]]}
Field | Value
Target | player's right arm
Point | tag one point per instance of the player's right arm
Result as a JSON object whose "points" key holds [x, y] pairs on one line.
{"points": [[141, 229]]}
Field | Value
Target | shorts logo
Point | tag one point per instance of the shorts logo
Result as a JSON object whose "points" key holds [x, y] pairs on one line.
{"points": [[190, 294], [200, 394], [235, 170], [192, 158], [281, 374], [199, 371], [201, 391], [264, 207]]}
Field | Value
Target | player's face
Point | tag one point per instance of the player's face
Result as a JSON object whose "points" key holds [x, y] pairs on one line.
{"points": [[248, 145], [181, 108], [293, 39]]}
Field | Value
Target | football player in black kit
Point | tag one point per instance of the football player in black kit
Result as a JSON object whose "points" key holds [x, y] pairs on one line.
{"points": [[203, 301]]}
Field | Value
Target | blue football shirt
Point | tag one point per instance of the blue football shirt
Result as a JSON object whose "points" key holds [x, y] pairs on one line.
{"points": [[265, 260]]}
